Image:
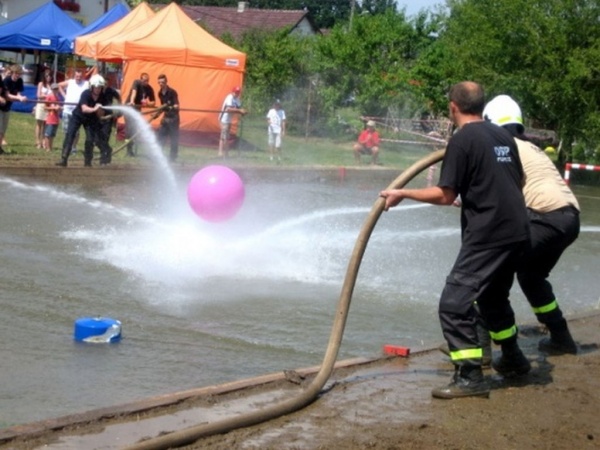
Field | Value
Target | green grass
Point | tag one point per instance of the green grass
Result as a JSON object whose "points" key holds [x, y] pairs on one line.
{"points": [[297, 150]]}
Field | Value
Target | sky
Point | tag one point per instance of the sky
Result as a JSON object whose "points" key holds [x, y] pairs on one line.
{"points": [[414, 6]]}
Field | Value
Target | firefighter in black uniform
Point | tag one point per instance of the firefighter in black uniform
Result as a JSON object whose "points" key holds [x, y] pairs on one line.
{"points": [[169, 125], [482, 165], [88, 113], [109, 121], [141, 95]]}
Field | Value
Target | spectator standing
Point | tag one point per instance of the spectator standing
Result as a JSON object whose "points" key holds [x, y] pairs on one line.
{"points": [[5, 73], [277, 122], [232, 105], [368, 143], [71, 91], [52, 116], [140, 95], [13, 85], [40, 111], [481, 165], [3, 114], [87, 113], [169, 125]]}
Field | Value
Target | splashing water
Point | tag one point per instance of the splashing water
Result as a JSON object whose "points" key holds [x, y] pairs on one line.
{"points": [[62, 196], [204, 304], [146, 137]]}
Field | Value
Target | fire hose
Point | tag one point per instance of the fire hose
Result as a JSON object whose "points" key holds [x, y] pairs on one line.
{"points": [[194, 433]]}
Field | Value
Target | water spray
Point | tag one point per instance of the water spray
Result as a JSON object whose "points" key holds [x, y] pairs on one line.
{"points": [[154, 111], [144, 132], [192, 434]]}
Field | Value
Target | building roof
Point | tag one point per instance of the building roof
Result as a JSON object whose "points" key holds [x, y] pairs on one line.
{"points": [[236, 21]]}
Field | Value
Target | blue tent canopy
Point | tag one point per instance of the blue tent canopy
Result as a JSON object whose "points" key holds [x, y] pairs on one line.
{"points": [[108, 18], [46, 28]]}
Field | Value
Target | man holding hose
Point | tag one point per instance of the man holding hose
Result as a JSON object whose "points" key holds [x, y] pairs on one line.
{"points": [[481, 165], [88, 113]]}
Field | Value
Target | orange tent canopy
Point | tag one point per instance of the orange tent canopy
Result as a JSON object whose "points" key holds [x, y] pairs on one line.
{"points": [[171, 37], [86, 45], [202, 69]]}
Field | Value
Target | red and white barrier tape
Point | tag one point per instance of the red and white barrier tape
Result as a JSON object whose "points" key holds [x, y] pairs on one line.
{"points": [[570, 166]]}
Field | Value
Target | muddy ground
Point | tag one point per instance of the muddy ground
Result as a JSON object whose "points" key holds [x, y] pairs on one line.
{"points": [[383, 404], [556, 406]]}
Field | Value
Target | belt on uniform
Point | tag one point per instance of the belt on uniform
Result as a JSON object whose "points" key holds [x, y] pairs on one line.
{"points": [[569, 209]]}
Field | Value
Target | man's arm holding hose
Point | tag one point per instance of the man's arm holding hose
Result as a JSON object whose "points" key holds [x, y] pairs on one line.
{"points": [[435, 195]]}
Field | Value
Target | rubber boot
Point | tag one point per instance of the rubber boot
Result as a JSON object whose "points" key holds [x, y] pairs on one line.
{"points": [[468, 381], [560, 341], [512, 362]]}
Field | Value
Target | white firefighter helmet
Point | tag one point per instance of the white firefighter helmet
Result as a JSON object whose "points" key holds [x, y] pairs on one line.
{"points": [[97, 81], [503, 110]]}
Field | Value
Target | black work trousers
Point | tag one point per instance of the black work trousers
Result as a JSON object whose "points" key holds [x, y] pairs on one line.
{"points": [[484, 276], [106, 150], [551, 234], [169, 129], [94, 135]]}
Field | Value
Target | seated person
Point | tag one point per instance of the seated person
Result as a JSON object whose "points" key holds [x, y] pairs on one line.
{"points": [[368, 143]]}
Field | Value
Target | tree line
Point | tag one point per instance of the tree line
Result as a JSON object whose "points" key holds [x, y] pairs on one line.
{"points": [[373, 57]]}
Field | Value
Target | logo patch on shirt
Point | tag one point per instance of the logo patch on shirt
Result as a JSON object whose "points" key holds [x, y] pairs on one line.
{"points": [[502, 154]]}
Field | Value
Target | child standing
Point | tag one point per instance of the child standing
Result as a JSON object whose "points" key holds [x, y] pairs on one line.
{"points": [[52, 118]]}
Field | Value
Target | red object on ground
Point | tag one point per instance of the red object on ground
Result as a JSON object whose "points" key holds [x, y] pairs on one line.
{"points": [[396, 350]]}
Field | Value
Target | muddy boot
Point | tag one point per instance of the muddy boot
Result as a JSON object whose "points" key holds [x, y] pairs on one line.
{"points": [[560, 341], [512, 362], [468, 381], [62, 162]]}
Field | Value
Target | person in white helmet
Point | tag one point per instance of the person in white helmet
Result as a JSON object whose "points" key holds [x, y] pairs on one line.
{"points": [[88, 113], [553, 214]]}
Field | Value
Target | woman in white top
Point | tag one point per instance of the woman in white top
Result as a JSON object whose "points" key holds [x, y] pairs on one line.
{"points": [[43, 90]]}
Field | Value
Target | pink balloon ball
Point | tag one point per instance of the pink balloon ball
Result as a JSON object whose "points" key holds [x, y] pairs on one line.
{"points": [[216, 193]]}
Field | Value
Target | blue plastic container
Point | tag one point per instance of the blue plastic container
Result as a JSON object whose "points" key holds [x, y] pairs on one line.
{"points": [[97, 330]]}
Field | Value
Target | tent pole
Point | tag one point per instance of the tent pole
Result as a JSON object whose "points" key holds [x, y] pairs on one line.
{"points": [[55, 66]]}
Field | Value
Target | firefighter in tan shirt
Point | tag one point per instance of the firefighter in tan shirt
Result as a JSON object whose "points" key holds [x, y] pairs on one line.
{"points": [[554, 223]]}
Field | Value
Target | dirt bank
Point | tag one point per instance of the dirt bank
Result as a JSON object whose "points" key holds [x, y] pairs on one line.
{"points": [[389, 407], [383, 404]]}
